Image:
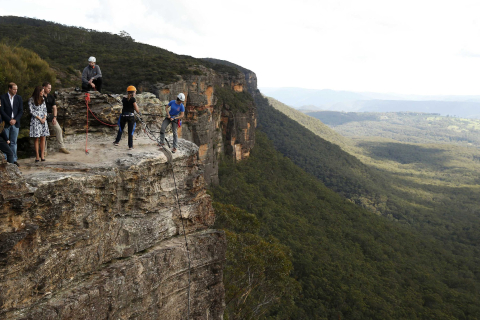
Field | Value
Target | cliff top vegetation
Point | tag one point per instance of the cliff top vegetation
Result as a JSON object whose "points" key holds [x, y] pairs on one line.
{"points": [[121, 59]]}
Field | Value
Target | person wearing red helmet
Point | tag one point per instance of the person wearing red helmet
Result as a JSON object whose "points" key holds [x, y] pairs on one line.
{"points": [[129, 106]]}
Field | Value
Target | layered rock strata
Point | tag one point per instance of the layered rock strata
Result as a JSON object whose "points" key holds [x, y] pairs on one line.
{"points": [[101, 236], [215, 128]]}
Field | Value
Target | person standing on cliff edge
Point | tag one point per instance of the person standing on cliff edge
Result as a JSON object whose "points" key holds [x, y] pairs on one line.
{"points": [[129, 106], [176, 113], [92, 76], [12, 111], [52, 116]]}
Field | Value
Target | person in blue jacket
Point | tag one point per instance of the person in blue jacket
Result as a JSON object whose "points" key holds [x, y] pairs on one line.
{"points": [[11, 112], [177, 110]]}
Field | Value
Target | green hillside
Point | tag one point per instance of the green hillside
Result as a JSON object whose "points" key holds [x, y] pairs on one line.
{"points": [[434, 190], [351, 263], [409, 127], [122, 60], [439, 160], [337, 169], [312, 124], [432, 187]]}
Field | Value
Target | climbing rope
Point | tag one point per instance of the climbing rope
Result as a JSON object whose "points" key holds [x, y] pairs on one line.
{"points": [[149, 131], [149, 134], [87, 100], [169, 158], [186, 244]]}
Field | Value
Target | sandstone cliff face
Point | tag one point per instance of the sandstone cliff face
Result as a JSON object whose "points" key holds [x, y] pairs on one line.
{"points": [[215, 128], [100, 237]]}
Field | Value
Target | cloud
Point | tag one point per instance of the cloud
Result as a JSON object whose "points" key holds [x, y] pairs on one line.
{"points": [[423, 47]]}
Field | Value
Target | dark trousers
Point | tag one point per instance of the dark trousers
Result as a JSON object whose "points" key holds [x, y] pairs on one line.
{"points": [[5, 148], [98, 85], [131, 128]]}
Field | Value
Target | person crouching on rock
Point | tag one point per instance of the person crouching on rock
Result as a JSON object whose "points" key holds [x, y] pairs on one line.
{"points": [[38, 123], [176, 113], [129, 105], [92, 76]]}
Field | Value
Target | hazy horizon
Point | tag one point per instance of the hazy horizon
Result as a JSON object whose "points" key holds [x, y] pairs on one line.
{"points": [[348, 101], [423, 48]]}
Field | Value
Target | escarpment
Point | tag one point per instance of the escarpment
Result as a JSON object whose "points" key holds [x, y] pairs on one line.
{"points": [[100, 236], [98, 233], [216, 125]]}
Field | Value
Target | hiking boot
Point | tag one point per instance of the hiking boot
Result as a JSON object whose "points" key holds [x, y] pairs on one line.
{"points": [[115, 143], [174, 150], [64, 150]]}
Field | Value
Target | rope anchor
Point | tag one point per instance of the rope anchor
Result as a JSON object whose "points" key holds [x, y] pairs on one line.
{"points": [[87, 100]]}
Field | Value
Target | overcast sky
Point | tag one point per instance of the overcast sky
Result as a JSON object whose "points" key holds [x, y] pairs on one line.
{"points": [[408, 47]]}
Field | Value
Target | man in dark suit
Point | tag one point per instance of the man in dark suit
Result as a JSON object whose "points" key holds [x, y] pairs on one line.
{"points": [[11, 112]]}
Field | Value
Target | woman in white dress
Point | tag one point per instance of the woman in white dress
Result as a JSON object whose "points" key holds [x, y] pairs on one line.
{"points": [[38, 123]]}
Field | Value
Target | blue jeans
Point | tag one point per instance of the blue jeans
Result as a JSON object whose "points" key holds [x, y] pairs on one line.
{"points": [[12, 134], [131, 128]]}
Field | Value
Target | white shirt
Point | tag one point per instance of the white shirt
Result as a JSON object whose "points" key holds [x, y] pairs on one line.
{"points": [[11, 102]]}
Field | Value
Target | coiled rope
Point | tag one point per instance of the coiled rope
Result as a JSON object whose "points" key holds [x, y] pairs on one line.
{"points": [[87, 100]]}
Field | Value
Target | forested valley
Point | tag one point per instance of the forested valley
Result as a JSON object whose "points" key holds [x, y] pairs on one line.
{"points": [[403, 126], [378, 243], [349, 262]]}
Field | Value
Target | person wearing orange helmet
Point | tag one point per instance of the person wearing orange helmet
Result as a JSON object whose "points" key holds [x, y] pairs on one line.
{"points": [[129, 106]]}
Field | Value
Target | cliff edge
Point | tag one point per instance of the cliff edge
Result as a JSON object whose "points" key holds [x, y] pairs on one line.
{"points": [[100, 236]]}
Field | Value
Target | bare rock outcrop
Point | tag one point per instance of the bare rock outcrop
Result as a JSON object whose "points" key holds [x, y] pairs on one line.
{"points": [[216, 128], [101, 236]]}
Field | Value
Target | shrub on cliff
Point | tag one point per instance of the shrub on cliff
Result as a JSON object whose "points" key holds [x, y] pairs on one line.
{"points": [[232, 100], [26, 69], [122, 60]]}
